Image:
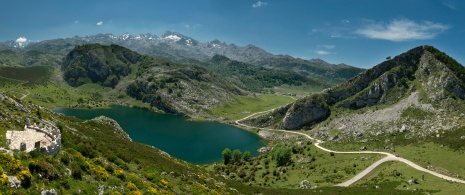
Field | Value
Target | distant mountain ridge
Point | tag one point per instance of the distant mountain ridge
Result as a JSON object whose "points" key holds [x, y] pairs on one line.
{"points": [[183, 49]]}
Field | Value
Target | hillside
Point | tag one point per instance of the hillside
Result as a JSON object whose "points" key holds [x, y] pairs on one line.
{"points": [[253, 78], [180, 89], [418, 91], [95, 63]]}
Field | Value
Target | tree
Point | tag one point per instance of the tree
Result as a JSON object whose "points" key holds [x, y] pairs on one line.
{"points": [[237, 154], [246, 156], [281, 154], [80, 100], [226, 156]]}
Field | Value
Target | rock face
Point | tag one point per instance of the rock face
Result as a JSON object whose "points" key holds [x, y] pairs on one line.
{"points": [[98, 64], [306, 110]]}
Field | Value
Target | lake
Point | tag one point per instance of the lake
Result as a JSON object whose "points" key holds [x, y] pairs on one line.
{"points": [[192, 141]]}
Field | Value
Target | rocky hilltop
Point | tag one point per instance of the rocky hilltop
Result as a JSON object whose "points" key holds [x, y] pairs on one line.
{"points": [[423, 79], [98, 64], [179, 89]]}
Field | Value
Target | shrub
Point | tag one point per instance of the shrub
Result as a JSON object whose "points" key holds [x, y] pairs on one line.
{"points": [[246, 156], [119, 173], [25, 178], [100, 173], [45, 169], [131, 187], [281, 154]]}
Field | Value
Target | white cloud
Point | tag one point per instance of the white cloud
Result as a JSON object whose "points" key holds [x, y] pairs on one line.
{"points": [[259, 4], [193, 26], [450, 4], [326, 46], [99, 23], [322, 52], [323, 49], [21, 40], [75, 22], [403, 30], [346, 21]]}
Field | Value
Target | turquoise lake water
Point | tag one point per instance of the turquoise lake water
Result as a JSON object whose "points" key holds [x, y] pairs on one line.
{"points": [[192, 141]]}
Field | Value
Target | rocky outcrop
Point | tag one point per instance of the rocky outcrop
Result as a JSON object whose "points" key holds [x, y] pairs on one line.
{"points": [[98, 64], [117, 128], [306, 111]]}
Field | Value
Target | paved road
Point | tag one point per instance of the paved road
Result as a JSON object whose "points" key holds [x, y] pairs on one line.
{"points": [[389, 156]]}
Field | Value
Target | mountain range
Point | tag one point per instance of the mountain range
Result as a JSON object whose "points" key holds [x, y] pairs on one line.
{"points": [[182, 49]]}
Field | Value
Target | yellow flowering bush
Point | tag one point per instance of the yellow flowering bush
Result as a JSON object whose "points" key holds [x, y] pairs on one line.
{"points": [[100, 173], [119, 173], [10, 163], [25, 177]]}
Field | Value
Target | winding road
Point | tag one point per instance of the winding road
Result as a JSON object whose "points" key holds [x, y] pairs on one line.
{"points": [[388, 157]]}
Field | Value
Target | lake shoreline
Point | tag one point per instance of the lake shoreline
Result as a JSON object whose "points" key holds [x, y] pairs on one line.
{"points": [[178, 132]]}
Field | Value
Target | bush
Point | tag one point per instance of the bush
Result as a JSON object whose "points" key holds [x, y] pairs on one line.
{"points": [[45, 169], [281, 154], [100, 173], [12, 165], [246, 156], [119, 173], [25, 178]]}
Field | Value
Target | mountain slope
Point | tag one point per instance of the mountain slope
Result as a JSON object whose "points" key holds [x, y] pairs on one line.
{"points": [[255, 78], [95, 155], [98, 64], [181, 89], [423, 79]]}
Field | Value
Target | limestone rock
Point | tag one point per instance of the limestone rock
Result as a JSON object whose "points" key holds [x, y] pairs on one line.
{"points": [[305, 111], [101, 190], [48, 192], [14, 182], [403, 129], [304, 184]]}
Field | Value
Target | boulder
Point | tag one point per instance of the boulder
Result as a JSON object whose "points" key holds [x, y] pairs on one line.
{"points": [[101, 190], [305, 184], [403, 129], [48, 192], [14, 182]]}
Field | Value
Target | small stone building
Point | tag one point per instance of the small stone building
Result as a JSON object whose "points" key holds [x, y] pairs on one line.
{"points": [[47, 140]]}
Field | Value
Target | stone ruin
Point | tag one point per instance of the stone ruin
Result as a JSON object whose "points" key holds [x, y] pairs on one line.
{"points": [[44, 138]]}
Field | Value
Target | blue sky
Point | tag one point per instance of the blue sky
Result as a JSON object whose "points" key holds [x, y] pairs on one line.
{"points": [[359, 32]]}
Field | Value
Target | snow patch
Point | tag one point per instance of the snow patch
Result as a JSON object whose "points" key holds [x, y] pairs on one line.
{"points": [[125, 36], [174, 38]]}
